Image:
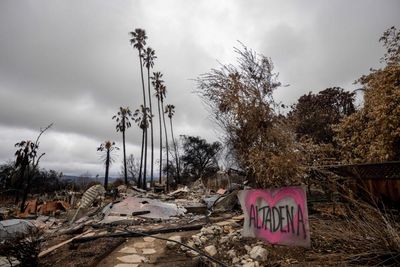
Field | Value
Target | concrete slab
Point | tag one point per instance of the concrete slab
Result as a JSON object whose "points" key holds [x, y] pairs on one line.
{"points": [[148, 251], [129, 250], [133, 258], [157, 208], [148, 239], [143, 245]]}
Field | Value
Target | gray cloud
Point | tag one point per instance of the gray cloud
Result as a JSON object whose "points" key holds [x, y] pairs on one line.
{"points": [[70, 62]]}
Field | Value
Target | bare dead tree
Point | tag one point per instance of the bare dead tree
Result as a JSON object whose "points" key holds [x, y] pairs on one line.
{"points": [[27, 162]]}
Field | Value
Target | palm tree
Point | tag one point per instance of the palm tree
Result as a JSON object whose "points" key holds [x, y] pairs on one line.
{"points": [[163, 91], [170, 110], [108, 147], [122, 118], [157, 82], [143, 120], [149, 57], [138, 41]]}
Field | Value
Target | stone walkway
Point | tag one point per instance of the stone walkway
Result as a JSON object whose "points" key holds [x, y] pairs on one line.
{"points": [[146, 252], [136, 253]]}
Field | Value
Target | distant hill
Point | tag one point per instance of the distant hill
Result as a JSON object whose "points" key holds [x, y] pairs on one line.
{"points": [[74, 177]]}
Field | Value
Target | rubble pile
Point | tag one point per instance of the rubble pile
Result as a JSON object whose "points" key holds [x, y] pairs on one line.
{"points": [[76, 218], [224, 241]]}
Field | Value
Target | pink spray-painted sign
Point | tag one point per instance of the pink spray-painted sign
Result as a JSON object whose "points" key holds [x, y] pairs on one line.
{"points": [[278, 216]]}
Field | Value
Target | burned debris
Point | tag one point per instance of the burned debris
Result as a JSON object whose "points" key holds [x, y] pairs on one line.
{"points": [[197, 223]]}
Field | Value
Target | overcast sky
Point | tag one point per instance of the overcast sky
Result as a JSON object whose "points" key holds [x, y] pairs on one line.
{"points": [[70, 62]]}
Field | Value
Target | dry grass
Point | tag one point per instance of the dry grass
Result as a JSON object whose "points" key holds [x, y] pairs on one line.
{"points": [[366, 235]]}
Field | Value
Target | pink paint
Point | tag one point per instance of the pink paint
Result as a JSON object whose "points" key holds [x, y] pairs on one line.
{"points": [[278, 216]]}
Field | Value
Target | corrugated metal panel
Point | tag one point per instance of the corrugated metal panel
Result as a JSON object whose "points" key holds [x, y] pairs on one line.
{"points": [[380, 180]]}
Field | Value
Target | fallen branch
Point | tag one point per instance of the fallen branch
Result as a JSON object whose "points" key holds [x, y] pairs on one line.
{"points": [[47, 251], [139, 234]]}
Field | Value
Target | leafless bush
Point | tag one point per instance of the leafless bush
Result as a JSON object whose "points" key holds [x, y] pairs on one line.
{"points": [[25, 248]]}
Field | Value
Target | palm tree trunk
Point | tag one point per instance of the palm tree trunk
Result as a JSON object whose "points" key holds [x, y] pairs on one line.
{"points": [[123, 145], [178, 179], [139, 184], [151, 130], [159, 117], [107, 166], [145, 161], [166, 145], [145, 118]]}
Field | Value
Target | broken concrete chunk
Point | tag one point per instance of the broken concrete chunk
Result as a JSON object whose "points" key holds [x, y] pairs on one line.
{"points": [[249, 264], [207, 231], [171, 244], [226, 203], [192, 253], [259, 253], [180, 192], [196, 240], [231, 253], [224, 239], [235, 260], [211, 250], [203, 239], [190, 243]]}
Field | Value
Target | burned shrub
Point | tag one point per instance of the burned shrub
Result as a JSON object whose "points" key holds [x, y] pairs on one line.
{"points": [[24, 248]]}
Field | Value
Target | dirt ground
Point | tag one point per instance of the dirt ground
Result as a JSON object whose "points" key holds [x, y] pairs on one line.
{"points": [[87, 254]]}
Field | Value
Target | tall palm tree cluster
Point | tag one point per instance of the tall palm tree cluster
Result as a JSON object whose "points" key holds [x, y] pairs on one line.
{"points": [[143, 117]]}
